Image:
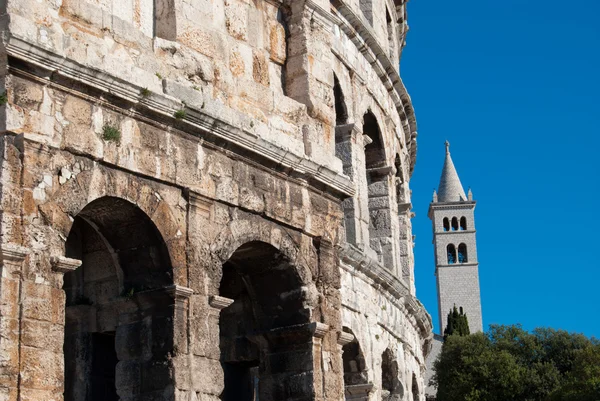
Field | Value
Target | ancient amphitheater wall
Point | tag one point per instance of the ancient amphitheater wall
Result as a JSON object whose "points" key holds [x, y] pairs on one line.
{"points": [[202, 193]]}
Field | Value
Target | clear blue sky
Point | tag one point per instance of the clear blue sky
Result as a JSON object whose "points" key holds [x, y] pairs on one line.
{"points": [[514, 85]]}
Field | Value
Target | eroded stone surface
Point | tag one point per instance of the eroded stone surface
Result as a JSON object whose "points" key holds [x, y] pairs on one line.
{"points": [[200, 152]]}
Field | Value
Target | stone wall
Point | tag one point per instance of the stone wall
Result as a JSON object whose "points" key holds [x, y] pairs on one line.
{"points": [[183, 215]]}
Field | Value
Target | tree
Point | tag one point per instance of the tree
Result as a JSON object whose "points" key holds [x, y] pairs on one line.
{"points": [[457, 323], [508, 363]]}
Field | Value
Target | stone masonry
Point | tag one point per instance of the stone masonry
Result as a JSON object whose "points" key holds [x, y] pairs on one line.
{"points": [[207, 200]]}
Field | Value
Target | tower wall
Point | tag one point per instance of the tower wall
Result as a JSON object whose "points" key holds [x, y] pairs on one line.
{"points": [[457, 280], [460, 286]]}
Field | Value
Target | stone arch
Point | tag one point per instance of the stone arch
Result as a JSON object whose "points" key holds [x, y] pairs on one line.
{"points": [[249, 228], [375, 151], [96, 181], [119, 317], [261, 336], [463, 223]]}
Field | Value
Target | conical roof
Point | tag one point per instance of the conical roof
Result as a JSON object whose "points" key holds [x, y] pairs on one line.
{"points": [[450, 188]]}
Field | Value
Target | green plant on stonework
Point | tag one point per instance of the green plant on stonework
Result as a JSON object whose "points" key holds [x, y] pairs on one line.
{"points": [[145, 92], [179, 114], [128, 293], [457, 323], [158, 75], [111, 133], [3, 98]]}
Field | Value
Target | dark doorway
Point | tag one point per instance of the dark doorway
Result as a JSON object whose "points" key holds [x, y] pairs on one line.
{"points": [[104, 363]]}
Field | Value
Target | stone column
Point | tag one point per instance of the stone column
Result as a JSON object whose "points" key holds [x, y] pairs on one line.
{"points": [[293, 363], [10, 327], [405, 253], [198, 370], [309, 73], [350, 147]]}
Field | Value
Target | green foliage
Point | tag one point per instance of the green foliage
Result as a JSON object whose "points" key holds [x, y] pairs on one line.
{"points": [[509, 363], [179, 114], [158, 75], [3, 98], [111, 133], [145, 92], [457, 323]]}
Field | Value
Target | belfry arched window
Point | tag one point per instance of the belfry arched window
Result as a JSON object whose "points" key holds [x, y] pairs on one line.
{"points": [[463, 223], [462, 253], [446, 224], [454, 224], [451, 251]]}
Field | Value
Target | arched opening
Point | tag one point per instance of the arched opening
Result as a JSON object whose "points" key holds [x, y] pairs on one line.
{"points": [[118, 315], [446, 224], [451, 252], [463, 223], [355, 368], [374, 151], [454, 224], [391, 387], [341, 112], [378, 192], [462, 253], [267, 295], [415, 388]]}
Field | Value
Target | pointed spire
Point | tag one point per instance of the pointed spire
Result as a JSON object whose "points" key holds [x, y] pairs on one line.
{"points": [[450, 188]]}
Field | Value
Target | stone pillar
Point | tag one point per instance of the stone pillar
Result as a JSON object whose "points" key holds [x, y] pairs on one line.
{"points": [[293, 365], [351, 147], [10, 327], [39, 327], [405, 243], [309, 72], [381, 222], [198, 370]]}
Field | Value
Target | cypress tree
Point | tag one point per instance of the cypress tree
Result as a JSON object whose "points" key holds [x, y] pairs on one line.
{"points": [[457, 323]]}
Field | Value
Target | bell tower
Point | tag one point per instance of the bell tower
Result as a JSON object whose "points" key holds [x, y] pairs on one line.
{"points": [[455, 247]]}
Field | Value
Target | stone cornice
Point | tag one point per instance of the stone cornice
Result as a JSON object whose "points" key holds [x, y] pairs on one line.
{"points": [[195, 118], [344, 338], [219, 302], [365, 40], [423, 318], [61, 264], [13, 253], [179, 292], [455, 232], [458, 265], [450, 206], [372, 269]]}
